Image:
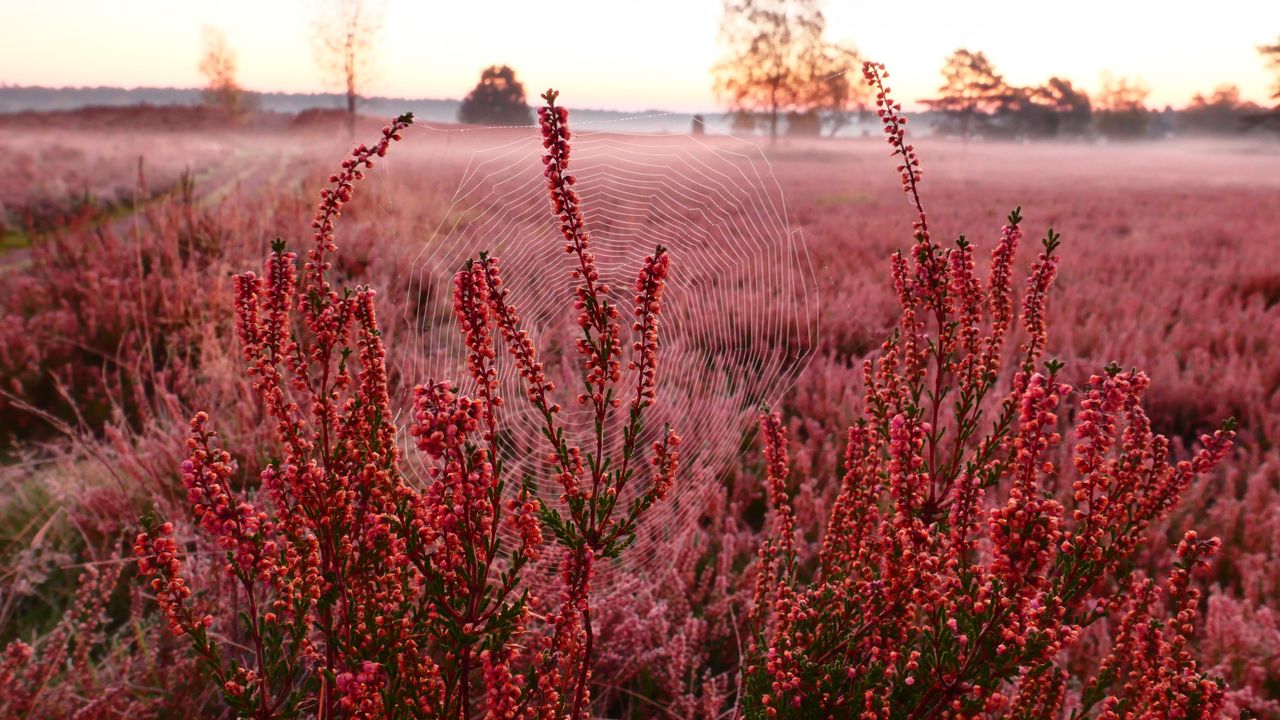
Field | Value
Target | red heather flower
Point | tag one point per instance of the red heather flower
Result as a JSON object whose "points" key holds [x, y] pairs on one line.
{"points": [[442, 422], [1150, 671], [601, 349], [472, 311], [158, 559], [362, 591], [930, 601], [365, 592], [537, 387], [649, 286], [588, 522], [240, 528], [1000, 290], [895, 130]]}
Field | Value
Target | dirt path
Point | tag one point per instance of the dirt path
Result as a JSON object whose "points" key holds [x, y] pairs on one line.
{"points": [[249, 165]]}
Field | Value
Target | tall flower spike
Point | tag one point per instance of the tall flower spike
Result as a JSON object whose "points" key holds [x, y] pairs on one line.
{"points": [[930, 598], [537, 387], [601, 347], [472, 311], [333, 198], [591, 478], [649, 287], [159, 559], [895, 124]]}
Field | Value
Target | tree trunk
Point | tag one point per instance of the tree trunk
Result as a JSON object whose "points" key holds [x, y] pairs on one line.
{"points": [[350, 62], [351, 113], [773, 113]]}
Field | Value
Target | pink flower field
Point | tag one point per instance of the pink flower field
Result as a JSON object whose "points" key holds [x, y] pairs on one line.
{"points": [[568, 421]]}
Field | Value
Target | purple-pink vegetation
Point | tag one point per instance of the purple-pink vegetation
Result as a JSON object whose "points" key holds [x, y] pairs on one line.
{"points": [[367, 595], [931, 600], [1166, 270], [1167, 267]]}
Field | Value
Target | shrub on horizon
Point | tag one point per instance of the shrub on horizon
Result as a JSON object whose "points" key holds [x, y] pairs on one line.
{"points": [[497, 99]]}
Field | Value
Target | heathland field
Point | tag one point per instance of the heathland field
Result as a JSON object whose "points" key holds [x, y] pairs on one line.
{"points": [[122, 317]]}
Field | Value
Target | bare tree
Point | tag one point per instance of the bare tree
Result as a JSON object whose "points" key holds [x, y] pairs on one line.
{"points": [[345, 34], [776, 61], [1271, 53], [218, 66]]}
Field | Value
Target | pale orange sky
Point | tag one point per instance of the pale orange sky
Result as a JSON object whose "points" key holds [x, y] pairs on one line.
{"points": [[637, 54]]}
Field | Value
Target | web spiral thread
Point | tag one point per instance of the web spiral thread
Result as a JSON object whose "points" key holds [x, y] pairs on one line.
{"points": [[740, 315]]}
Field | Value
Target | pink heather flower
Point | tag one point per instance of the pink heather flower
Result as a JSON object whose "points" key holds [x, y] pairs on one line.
{"points": [[158, 558], [930, 600], [649, 286]]}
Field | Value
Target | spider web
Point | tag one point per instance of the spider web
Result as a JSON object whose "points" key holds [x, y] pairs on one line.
{"points": [[739, 319]]}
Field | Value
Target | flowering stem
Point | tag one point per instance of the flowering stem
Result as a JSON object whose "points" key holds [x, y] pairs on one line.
{"points": [[579, 692]]}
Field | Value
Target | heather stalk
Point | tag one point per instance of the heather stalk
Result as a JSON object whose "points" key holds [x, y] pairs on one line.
{"points": [[368, 596], [591, 529]]}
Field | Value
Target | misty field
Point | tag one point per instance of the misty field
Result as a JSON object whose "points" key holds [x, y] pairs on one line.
{"points": [[125, 313]]}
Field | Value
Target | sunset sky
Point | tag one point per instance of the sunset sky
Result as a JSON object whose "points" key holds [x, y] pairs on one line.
{"points": [[637, 54]]}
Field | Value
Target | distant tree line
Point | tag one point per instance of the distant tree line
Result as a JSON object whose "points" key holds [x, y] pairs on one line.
{"points": [[780, 74], [976, 100]]}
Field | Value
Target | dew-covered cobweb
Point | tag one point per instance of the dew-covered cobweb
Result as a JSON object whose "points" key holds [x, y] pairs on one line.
{"points": [[738, 324]]}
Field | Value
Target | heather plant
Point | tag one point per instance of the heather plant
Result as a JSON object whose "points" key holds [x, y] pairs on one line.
{"points": [[589, 523], [364, 594], [668, 639], [90, 666], [75, 326], [109, 318], [957, 564]]}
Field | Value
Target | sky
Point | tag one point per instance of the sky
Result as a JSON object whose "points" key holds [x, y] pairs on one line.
{"points": [[637, 54]]}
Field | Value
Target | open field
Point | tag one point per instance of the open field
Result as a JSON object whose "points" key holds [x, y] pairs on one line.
{"points": [[117, 325]]}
